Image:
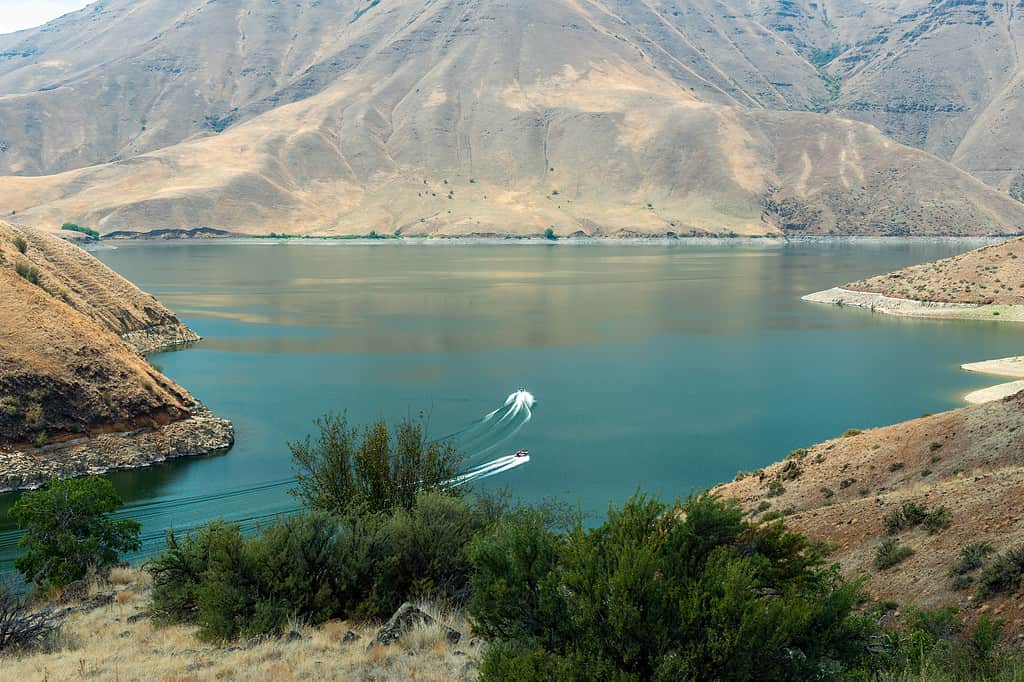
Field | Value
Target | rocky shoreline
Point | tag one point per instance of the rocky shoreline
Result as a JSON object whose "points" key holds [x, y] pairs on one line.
{"points": [[200, 434], [879, 303], [160, 337]]}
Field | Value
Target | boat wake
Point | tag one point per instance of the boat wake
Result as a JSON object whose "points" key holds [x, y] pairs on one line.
{"points": [[493, 431]]}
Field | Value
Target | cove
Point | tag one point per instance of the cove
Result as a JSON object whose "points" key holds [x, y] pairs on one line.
{"points": [[665, 367]]}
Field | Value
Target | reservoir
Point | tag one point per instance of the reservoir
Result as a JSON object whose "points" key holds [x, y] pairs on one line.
{"points": [[661, 367]]}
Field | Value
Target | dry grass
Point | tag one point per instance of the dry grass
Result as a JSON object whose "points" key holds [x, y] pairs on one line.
{"points": [[102, 645], [975, 472], [990, 275]]}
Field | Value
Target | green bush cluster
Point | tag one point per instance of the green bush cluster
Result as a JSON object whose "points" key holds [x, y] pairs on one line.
{"points": [[660, 592], [87, 231], [1005, 574], [911, 515], [936, 645], [890, 553], [28, 272], [315, 566]]}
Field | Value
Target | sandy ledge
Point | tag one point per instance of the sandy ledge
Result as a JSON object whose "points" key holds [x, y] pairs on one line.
{"points": [[202, 433], [904, 307], [1002, 367]]}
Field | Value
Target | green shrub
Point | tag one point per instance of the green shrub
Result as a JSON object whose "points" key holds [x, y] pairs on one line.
{"points": [[660, 592], [890, 553], [851, 432], [28, 272], [827, 492], [934, 445], [69, 530], [791, 471], [549, 234], [1005, 574], [775, 488], [846, 483], [972, 556], [87, 231], [911, 515], [937, 519], [799, 453], [178, 572], [316, 566], [937, 645], [895, 466], [9, 405], [962, 582], [344, 471], [20, 244]]}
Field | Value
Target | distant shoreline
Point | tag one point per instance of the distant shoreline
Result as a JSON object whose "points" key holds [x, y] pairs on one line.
{"points": [[768, 241]]}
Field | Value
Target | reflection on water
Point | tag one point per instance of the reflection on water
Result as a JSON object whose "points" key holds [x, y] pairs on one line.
{"points": [[664, 367]]}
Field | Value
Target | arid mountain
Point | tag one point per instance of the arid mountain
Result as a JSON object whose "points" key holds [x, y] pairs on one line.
{"points": [[967, 461], [446, 117]]}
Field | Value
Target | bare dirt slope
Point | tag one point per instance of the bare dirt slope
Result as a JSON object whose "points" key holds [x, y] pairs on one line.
{"points": [[971, 461], [449, 118], [63, 369], [989, 275]]}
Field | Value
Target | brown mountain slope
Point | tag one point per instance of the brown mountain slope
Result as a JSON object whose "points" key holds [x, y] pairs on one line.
{"points": [[946, 76], [990, 275], [342, 117], [602, 149], [123, 76], [969, 461], [61, 372], [94, 290]]}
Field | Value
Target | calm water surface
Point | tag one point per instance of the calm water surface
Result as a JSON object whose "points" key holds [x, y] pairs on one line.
{"points": [[667, 368]]}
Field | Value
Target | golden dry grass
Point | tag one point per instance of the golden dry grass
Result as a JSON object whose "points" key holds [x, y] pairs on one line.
{"points": [[102, 645]]}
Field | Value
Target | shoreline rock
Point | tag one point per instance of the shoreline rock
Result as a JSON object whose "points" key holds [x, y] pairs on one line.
{"points": [[160, 337], [879, 303], [200, 434]]}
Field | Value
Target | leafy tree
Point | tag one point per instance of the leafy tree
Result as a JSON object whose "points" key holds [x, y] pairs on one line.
{"points": [[549, 234], [378, 470], [69, 530]]}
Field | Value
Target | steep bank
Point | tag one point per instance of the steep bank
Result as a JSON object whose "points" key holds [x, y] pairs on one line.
{"points": [[840, 491], [74, 396]]}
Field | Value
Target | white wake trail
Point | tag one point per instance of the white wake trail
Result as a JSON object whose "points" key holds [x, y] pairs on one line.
{"points": [[492, 432]]}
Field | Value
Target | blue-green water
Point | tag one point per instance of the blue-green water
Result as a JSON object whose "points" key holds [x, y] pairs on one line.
{"points": [[662, 367]]}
